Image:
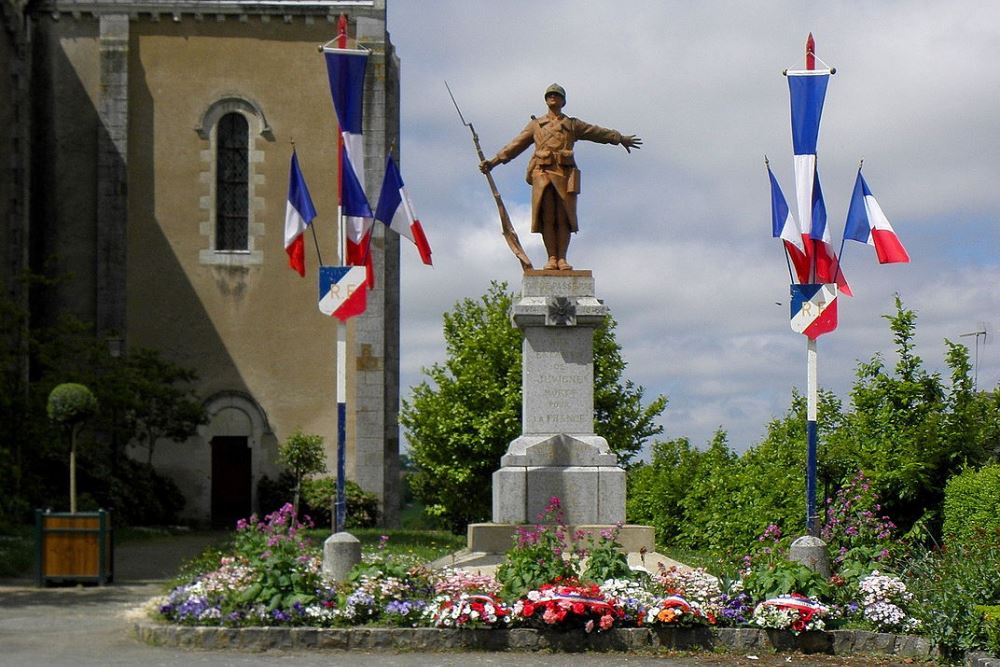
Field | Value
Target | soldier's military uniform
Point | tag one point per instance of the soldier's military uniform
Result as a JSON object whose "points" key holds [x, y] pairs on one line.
{"points": [[553, 162]]}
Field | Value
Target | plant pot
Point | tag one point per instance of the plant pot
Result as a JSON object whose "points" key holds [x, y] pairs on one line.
{"points": [[73, 547]]}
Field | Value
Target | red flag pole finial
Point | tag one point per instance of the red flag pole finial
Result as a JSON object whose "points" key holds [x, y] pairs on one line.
{"points": [[810, 52], [342, 32]]}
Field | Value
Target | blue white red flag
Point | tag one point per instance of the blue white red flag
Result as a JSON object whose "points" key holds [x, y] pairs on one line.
{"points": [[867, 223], [814, 309], [784, 226], [346, 71], [396, 210], [807, 90], [298, 214], [342, 292]]}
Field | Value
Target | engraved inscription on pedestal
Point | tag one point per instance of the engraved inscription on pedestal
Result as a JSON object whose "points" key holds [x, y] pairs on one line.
{"points": [[558, 453], [558, 380]]}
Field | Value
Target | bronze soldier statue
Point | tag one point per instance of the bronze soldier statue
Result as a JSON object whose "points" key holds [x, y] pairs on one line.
{"points": [[552, 171]]}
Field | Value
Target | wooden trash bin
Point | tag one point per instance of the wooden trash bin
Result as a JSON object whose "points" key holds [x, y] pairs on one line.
{"points": [[73, 547]]}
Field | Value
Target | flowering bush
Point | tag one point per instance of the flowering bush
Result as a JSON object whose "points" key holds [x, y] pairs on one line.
{"points": [[794, 612], [633, 598], [735, 608], [884, 600], [853, 529], [455, 582], [605, 559], [288, 569], [467, 610], [695, 585], [568, 604], [392, 589], [539, 555], [272, 578]]}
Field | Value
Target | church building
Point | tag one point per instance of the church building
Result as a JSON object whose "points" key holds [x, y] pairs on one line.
{"points": [[146, 158]]}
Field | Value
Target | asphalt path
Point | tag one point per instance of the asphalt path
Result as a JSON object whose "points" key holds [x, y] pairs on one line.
{"points": [[84, 626]]}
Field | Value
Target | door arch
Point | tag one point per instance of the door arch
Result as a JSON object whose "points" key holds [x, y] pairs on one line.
{"points": [[234, 432]]}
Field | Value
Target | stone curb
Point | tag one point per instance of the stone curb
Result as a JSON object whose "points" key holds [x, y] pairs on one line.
{"points": [[834, 642], [979, 659]]}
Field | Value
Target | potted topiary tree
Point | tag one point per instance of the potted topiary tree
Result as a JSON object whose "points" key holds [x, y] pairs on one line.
{"points": [[75, 545], [71, 405]]}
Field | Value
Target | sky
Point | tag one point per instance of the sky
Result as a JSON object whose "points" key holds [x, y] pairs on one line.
{"points": [[677, 234]]}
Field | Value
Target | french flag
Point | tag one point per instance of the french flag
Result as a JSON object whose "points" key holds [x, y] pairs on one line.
{"points": [[807, 90], [784, 226], [345, 69], [298, 215], [867, 223], [396, 210]]}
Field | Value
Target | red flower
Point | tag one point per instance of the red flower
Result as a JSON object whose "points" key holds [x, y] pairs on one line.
{"points": [[579, 609], [528, 609], [798, 625]]}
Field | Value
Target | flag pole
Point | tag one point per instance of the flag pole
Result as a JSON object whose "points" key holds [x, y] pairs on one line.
{"points": [[340, 506], [812, 369]]}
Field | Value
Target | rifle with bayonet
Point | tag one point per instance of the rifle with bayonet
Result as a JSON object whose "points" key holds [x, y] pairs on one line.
{"points": [[507, 229]]}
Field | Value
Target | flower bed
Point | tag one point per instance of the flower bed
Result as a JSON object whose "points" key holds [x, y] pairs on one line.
{"points": [[552, 593]]}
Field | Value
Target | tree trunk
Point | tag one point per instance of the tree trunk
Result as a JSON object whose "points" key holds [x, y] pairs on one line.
{"points": [[72, 470]]}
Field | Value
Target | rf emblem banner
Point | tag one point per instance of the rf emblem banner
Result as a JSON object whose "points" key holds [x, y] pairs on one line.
{"points": [[814, 309], [342, 292]]}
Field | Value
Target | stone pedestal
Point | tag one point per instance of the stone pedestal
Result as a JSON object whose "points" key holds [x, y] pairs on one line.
{"points": [[558, 453]]}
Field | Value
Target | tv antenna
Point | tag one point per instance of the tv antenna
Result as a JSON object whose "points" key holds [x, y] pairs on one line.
{"points": [[985, 331]]}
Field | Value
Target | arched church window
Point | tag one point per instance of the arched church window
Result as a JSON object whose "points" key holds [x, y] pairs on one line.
{"points": [[232, 190], [235, 135]]}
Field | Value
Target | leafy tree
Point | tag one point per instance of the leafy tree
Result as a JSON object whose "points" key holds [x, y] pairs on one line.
{"points": [[159, 400], [910, 431], [710, 503], [655, 489], [460, 421], [303, 455], [459, 424]]}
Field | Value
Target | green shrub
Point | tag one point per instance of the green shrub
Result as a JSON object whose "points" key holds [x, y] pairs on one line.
{"points": [[317, 499], [319, 493], [971, 499], [948, 584], [605, 559], [991, 627]]}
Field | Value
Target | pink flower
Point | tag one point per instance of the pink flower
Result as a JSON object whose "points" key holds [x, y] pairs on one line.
{"points": [[589, 627], [607, 621], [550, 616]]}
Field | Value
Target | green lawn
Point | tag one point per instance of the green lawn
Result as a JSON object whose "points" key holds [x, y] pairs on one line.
{"points": [[425, 545]]}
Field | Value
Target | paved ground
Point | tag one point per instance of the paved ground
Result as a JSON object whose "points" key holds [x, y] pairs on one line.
{"points": [[90, 626]]}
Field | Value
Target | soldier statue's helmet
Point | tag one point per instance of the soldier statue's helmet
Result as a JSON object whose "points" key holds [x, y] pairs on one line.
{"points": [[557, 89]]}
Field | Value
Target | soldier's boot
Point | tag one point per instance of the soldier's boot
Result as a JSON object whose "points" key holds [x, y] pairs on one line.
{"points": [[564, 265], [552, 264]]}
